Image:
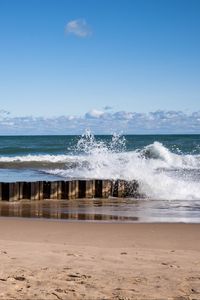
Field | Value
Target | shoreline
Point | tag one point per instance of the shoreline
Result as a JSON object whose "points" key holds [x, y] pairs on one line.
{"points": [[87, 221], [77, 260], [111, 210]]}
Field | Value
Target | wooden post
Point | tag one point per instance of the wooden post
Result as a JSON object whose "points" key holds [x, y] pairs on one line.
{"points": [[26, 190], [119, 188], [5, 191], [73, 190], [21, 190], [64, 185], [54, 190], [106, 188], [59, 189], [41, 194], [75, 184], [13, 191], [90, 189], [133, 189], [98, 188], [81, 188], [46, 190], [35, 190]]}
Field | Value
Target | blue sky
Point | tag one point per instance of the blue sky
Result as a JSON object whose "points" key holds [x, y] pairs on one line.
{"points": [[70, 57]]}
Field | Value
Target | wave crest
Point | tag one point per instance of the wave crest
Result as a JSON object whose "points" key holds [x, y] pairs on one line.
{"points": [[158, 151]]}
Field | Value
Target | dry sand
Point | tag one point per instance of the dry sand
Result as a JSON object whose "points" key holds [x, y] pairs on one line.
{"points": [[61, 260]]}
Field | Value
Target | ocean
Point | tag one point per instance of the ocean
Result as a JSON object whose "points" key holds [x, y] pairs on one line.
{"points": [[167, 167]]}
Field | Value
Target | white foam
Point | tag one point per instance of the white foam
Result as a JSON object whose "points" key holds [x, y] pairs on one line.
{"points": [[107, 161], [161, 153], [37, 158]]}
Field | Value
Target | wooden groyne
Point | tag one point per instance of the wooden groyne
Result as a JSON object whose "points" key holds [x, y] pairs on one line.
{"points": [[74, 189]]}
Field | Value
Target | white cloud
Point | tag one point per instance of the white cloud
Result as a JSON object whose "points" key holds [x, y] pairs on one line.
{"points": [[102, 122], [123, 115], [94, 113], [78, 27]]}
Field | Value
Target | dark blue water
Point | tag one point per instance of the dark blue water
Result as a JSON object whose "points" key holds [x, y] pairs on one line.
{"points": [[54, 145]]}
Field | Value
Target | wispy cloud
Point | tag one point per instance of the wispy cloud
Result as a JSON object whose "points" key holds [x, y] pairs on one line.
{"points": [[78, 27], [103, 122]]}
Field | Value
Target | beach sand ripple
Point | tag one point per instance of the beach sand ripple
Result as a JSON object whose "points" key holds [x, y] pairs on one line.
{"points": [[95, 261]]}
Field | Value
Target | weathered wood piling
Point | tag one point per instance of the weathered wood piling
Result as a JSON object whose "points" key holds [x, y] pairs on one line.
{"points": [[74, 189]]}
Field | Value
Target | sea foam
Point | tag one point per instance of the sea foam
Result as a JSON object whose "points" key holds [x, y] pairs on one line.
{"points": [[151, 166]]}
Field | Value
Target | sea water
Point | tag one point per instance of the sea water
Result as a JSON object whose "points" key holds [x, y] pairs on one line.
{"points": [[167, 167]]}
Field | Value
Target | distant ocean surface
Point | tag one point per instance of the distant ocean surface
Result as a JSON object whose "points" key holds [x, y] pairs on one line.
{"points": [[166, 166]]}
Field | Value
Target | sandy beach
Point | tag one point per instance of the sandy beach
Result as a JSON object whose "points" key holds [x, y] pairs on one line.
{"points": [[62, 260]]}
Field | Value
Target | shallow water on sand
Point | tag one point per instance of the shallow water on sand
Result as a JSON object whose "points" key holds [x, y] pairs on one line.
{"points": [[105, 210]]}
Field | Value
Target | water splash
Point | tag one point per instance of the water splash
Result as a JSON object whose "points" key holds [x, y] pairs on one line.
{"points": [[89, 145], [98, 156]]}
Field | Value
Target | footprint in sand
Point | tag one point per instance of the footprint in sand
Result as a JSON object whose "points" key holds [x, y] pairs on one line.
{"points": [[20, 278], [137, 280], [57, 296], [3, 279], [169, 265], [73, 275], [78, 276], [66, 268], [44, 269]]}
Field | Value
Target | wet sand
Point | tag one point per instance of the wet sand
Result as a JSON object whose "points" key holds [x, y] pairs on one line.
{"points": [[47, 259], [106, 210]]}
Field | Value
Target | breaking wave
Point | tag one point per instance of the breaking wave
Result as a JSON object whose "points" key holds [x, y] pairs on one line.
{"points": [[161, 174]]}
